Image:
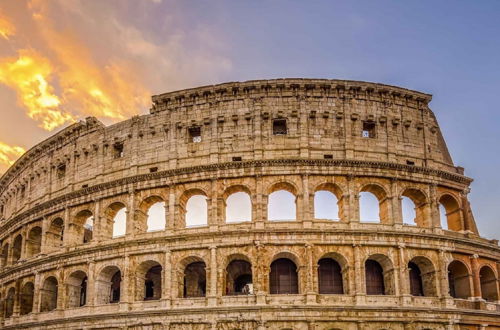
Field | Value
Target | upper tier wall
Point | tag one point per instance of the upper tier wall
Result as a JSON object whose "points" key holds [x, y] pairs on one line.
{"points": [[324, 119]]}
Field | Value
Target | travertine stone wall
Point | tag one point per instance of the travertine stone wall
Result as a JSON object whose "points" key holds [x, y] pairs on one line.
{"points": [[88, 170]]}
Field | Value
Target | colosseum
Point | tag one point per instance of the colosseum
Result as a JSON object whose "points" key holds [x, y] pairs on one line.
{"points": [[243, 206]]}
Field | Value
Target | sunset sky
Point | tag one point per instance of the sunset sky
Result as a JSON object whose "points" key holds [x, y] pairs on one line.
{"points": [[63, 60]]}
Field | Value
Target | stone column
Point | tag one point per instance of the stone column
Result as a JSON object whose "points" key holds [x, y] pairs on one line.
{"points": [[166, 293], [91, 278], [476, 294], [24, 246], [360, 288], [130, 218], [97, 234], [172, 215], [435, 221], [36, 293], [306, 214], [396, 272], [66, 234], [443, 275], [352, 200], [126, 286], [17, 299], [213, 217], [404, 275], [310, 294], [260, 204], [61, 289], [396, 216], [45, 228], [212, 297]]}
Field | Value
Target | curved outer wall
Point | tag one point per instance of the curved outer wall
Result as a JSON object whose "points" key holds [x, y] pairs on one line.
{"points": [[215, 141]]}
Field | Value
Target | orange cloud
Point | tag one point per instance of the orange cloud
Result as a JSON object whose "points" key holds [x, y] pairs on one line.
{"points": [[111, 90], [7, 29], [29, 74], [8, 155], [60, 81]]}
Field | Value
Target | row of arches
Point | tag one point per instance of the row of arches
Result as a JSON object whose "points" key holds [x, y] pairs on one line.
{"points": [[283, 278], [151, 215]]}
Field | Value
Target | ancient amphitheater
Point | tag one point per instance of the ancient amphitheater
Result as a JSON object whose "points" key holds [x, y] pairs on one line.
{"points": [[81, 249]]}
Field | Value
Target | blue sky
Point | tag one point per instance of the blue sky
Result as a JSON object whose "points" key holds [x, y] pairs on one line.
{"points": [[446, 48]]}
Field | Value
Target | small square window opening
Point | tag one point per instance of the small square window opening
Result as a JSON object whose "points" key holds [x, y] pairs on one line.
{"points": [[279, 127], [368, 129], [118, 150], [195, 134]]}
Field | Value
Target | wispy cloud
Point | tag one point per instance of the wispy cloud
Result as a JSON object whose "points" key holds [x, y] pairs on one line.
{"points": [[8, 155]]}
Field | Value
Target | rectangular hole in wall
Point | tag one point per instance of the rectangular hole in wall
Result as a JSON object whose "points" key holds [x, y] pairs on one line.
{"points": [[153, 169], [368, 129], [237, 159], [328, 156], [118, 150], [410, 162], [279, 127], [61, 171], [195, 134], [85, 186]]}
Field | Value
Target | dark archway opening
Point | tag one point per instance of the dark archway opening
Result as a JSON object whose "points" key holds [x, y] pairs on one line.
{"points": [[284, 277]]}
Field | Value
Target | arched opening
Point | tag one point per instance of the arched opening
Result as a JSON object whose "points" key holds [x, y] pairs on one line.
{"points": [[422, 276], [408, 211], [156, 217], [34, 242], [195, 280], [330, 277], [283, 277], [26, 299], [55, 234], [373, 204], [488, 284], [453, 213], [239, 278], [238, 207], [108, 285], [120, 223], [148, 281], [282, 205], [379, 275], [326, 205], [4, 257], [458, 280], [48, 297], [151, 214], [443, 221], [83, 227], [88, 229], [414, 208], [374, 278], [416, 284], [152, 283], [197, 211], [114, 223], [76, 289], [17, 248], [9, 302]]}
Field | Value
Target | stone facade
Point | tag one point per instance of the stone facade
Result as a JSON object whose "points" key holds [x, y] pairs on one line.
{"points": [[302, 136]]}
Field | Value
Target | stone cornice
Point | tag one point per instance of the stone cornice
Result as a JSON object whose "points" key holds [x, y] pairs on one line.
{"points": [[457, 178], [298, 86]]}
